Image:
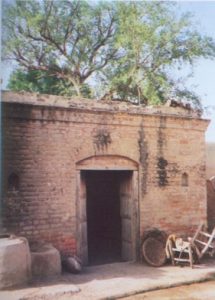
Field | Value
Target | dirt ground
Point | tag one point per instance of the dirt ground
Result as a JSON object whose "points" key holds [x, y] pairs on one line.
{"points": [[197, 291], [117, 280]]}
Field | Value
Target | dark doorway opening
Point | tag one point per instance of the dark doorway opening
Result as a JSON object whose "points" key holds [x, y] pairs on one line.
{"points": [[104, 228]]}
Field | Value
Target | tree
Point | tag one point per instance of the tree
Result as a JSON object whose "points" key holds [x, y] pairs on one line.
{"points": [[69, 40], [130, 49], [155, 41]]}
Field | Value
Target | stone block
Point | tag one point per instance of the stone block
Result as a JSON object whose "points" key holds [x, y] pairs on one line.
{"points": [[46, 261], [15, 262]]}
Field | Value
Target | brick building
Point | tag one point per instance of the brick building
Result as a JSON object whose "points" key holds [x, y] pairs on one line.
{"points": [[91, 177]]}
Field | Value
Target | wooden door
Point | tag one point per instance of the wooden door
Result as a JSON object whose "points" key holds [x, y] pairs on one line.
{"points": [[129, 212], [82, 218], [126, 215]]}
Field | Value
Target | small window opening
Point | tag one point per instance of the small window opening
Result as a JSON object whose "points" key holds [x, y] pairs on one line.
{"points": [[13, 183], [184, 179]]}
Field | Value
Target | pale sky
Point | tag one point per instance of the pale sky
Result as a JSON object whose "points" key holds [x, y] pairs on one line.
{"points": [[204, 71]]}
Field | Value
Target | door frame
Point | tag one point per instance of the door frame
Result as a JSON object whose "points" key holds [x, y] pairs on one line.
{"points": [[104, 163]]}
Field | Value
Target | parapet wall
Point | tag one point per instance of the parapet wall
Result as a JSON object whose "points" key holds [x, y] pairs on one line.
{"points": [[54, 101]]}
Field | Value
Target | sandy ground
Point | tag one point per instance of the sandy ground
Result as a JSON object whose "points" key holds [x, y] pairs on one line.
{"points": [[198, 291], [112, 281]]}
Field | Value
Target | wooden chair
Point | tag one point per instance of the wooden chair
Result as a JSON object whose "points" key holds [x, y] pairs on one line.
{"points": [[179, 251], [203, 242]]}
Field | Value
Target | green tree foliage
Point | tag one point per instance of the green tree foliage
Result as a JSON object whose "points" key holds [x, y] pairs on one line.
{"points": [[154, 41], [126, 50], [69, 40], [43, 82]]}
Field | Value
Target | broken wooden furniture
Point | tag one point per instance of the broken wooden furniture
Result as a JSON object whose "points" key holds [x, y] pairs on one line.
{"points": [[153, 247], [194, 249], [203, 242]]}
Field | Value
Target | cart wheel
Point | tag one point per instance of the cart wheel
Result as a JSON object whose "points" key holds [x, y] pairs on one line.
{"points": [[153, 252]]}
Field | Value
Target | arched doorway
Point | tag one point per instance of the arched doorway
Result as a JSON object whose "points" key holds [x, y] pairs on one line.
{"points": [[107, 209]]}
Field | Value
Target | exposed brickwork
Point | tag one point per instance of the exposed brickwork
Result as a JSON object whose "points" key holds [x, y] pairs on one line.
{"points": [[210, 160], [45, 138]]}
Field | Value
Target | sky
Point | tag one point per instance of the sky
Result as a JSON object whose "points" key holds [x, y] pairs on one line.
{"points": [[204, 71]]}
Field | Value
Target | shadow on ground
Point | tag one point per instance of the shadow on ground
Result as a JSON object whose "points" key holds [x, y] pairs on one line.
{"points": [[112, 281]]}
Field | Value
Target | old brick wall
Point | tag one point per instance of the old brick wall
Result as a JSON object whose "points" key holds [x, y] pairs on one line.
{"points": [[44, 139], [210, 160], [177, 148], [41, 208], [211, 203]]}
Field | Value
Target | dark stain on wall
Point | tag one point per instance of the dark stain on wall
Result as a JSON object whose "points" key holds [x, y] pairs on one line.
{"points": [[102, 139], [161, 135], [162, 163], [143, 150], [162, 172]]}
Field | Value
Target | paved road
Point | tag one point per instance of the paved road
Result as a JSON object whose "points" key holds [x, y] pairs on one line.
{"points": [[198, 291]]}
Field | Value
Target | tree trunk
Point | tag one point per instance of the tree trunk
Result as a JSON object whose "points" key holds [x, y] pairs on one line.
{"points": [[76, 85]]}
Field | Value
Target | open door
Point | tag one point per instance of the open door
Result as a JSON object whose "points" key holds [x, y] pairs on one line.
{"points": [[103, 216]]}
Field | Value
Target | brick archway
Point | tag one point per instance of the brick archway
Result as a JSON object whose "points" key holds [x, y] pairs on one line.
{"points": [[107, 162]]}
